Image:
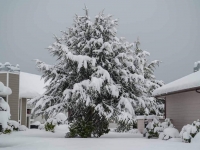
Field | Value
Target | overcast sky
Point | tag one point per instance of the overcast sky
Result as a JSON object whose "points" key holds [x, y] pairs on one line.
{"points": [[168, 29]]}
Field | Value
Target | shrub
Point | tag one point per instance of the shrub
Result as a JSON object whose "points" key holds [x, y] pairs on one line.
{"points": [[189, 131], [81, 128], [169, 133], [7, 130], [50, 125], [14, 124], [154, 128], [52, 122], [88, 123]]}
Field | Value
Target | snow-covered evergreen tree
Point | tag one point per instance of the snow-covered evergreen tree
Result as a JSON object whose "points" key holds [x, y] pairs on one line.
{"points": [[149, 105], [96, 69]]}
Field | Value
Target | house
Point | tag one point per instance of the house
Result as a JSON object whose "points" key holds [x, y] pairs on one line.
{"points": [[182, 99], [24, 86]]}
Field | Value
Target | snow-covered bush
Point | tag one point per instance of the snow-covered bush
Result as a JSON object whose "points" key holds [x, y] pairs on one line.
{"points": [[126, 125], [167, 123], [169, 133], [4, 90], [4, 112], [168, 130], [41, 127], [154, 128], [189, 131], [14, 124], [7, 130], [61, 118], [50, 124], [22, 128]]}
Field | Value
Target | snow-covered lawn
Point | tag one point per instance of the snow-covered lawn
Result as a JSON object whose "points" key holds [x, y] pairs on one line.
{"points": [[34, 139]]}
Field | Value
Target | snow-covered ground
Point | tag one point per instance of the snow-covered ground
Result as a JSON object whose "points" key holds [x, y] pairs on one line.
{"points": [[34, 139]]}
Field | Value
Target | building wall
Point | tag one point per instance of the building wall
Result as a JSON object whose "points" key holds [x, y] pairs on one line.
{"points": [[183, 108], [13, 99], [3, 78], [140, 125], [23, 113]]}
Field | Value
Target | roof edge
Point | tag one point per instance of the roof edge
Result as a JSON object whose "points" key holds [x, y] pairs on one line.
{"points": [[179, 91]]}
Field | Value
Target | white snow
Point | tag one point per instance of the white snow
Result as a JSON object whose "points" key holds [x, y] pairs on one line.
{"points": [[134, 131], [161, 135], [53, 121], [149, 117], [36, 123], [171, 132], [3, 118], [34, 139], [186, 136], [196, 139], [41, 126], [4, 90], [61, 118], [31, 85], [22, 128], [7, 67], [187, 82], [13, 123], [61, 128]]}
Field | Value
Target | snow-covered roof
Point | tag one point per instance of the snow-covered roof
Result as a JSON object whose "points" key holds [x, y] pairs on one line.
{"points": [[149, 117], [188, 82], [31, 85], [4, 90], [9, 67]]}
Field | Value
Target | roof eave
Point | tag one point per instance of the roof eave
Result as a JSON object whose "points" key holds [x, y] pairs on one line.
{"points": [[176, 92]]}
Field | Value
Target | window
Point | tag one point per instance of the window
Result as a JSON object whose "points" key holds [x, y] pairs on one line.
{"points": [[28, 111]]}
